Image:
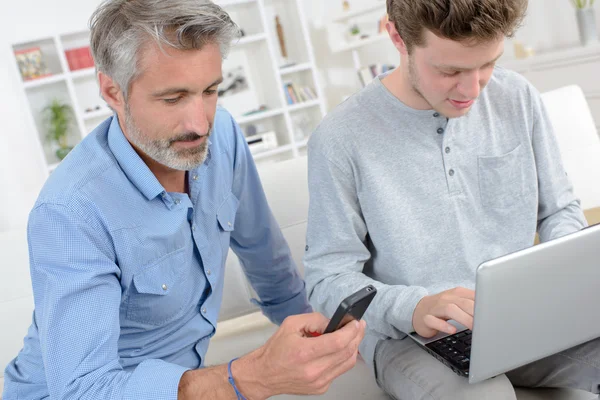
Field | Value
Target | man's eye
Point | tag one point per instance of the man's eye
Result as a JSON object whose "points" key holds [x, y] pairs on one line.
{"points": [[449, 74], [172, 100], [210, 92]]}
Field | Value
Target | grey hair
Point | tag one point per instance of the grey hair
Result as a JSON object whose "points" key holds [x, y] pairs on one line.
{"points": [[120, 28]]}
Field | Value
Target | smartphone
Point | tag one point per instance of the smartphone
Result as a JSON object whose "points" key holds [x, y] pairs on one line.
{"points": [[352, 308]]}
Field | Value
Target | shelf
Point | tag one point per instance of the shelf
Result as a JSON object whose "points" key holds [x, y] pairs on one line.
{"points": [[357, 13], [554, 58], [251, 39], [44, 81], [52, 167], [274, 152], [360, 43], [303, 105], [258, 116], [229, 3], [104, 112], [82, 73], [295, 68], [302, 144]]}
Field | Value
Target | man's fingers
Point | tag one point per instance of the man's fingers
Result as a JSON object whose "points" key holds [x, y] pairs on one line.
{"points": [[334, 365], [335, 342], [464, 293], [341, 368], [439, 324], [452, 311], [305, 323], [466, 305]]}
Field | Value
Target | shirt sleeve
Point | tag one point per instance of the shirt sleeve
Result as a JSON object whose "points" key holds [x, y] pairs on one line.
{"points": [[559, 210], [77, 298], [260, 246], [337, 252]]}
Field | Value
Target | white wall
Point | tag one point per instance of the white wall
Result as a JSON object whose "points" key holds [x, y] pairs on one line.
{"points": [[550, 24], [22, 172]]}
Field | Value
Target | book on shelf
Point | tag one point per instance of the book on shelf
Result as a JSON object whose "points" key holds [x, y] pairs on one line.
{"points": [[79, 58], [295, 94], [367, 74], [31, 63]]}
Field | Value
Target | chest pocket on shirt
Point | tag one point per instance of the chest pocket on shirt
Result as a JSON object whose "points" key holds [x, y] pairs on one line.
{"points": [[226, 220], [501, 179], [160, 293]]}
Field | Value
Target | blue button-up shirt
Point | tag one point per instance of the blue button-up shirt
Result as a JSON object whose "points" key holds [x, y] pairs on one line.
{"points": [[128, 278]]}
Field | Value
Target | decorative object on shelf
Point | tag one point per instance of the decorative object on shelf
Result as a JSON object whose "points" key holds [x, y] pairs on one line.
{"points": [[92, 109], [236, 93], [58, 117], [79, 58], [586, 21], [262, 142], [522, 51], [353, 33], [303, 126], [367, 74], [251, 130], [31, 63], [260, 109], [346, 6], [281, 37]]}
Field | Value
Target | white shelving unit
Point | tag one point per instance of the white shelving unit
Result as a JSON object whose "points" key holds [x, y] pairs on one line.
{"points": [[266, 69], [363, 17], [269, 71]]}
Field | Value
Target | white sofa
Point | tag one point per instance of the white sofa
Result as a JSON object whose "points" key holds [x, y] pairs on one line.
{"points": [[241, 327]]}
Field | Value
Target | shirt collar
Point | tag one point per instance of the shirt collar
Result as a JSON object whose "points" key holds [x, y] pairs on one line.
{"points": [[131, 163]]}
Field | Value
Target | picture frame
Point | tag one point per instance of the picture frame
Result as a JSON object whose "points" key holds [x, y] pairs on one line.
{"points": [[237, 93]]}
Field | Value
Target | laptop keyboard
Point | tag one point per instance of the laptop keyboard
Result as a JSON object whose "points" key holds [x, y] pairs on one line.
{"points": [[454, 351]]}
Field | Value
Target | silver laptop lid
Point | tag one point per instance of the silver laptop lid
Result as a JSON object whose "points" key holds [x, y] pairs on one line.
{"points": [[535, 303]]}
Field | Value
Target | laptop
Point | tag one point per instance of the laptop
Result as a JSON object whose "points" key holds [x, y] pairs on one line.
{"points": [[528, 305]]}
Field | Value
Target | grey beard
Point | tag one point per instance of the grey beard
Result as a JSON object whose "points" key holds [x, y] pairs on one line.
{"points": [[162, 151]]}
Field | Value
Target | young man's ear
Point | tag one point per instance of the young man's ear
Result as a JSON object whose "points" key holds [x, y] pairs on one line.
{"points": [[396, 38], [111, 92]]}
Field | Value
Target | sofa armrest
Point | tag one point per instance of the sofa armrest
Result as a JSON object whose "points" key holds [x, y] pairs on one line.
{"points": [[593, 216]]}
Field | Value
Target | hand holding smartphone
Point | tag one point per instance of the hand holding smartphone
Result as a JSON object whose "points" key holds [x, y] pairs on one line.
{"points": [[351, 308]]}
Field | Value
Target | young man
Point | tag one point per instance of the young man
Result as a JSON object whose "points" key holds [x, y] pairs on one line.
{"points": [[129, 236], [444, 163]]}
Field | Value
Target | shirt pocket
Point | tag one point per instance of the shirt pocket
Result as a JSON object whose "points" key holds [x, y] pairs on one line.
{"points": [[226, 220], [158, 294], [501, 179]]}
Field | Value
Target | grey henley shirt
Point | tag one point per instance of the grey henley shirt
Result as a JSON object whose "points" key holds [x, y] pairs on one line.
{"points": [[412, 203]]}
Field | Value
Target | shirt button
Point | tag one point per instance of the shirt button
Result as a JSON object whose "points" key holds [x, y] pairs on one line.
{"points": [[229, 223], [447, 150], [440, 131], [208, 272], [164, 287], [451, 172], [204, 311], [177, 201], [436, 115], [194, 227], [195, 177]]}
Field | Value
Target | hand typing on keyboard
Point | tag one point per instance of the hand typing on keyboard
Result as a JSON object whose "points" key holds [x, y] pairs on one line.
{"points": [[432, 313]]}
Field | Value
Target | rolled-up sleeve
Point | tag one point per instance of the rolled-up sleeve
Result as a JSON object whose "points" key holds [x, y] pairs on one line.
{"points": [[259, 243], [559, 212]]}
